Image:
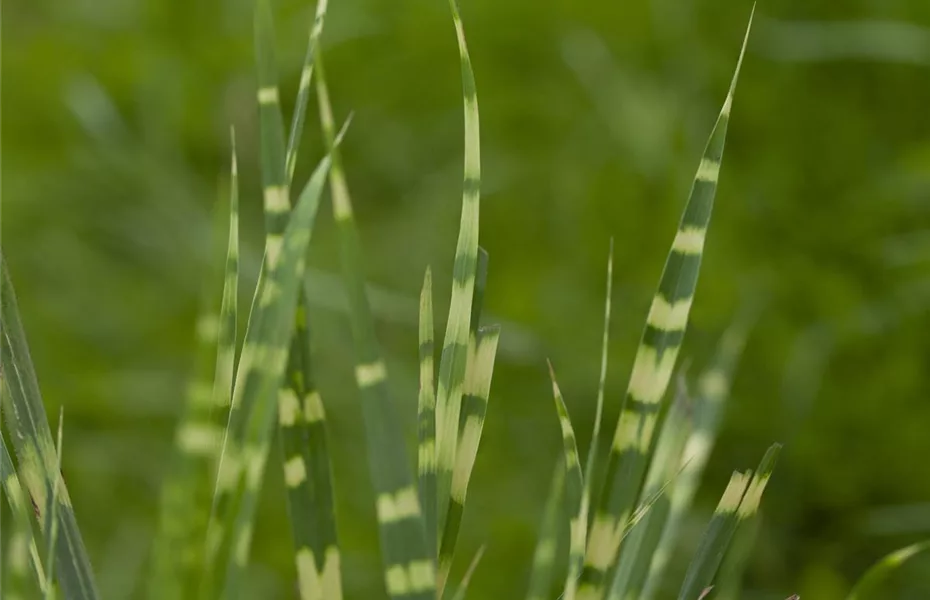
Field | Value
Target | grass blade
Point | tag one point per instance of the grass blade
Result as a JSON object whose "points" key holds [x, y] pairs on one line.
{"points": [[654, 363], [303, 92], [712, 392], [454, 358], [868, 585], [476, 391], [542, 571], [637, 550], [34, 446], [577, 508], [409, 567], [23, 545], [51, 519], [426, 417], [466, 579]]}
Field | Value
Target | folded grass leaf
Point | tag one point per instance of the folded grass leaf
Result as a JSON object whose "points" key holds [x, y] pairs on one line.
{"points": [[542, 571], [654, 363], [869, 584], [409, 567], [454, 357], [34, 446]]}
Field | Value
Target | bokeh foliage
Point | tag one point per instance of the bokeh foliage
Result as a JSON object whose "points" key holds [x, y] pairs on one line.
{"points": [[115, 128]]}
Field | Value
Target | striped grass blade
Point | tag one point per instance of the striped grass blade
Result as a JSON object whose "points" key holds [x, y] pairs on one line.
{"points": [[577, 508], [542, 571], [713, 389], [261, 369], [739, 504], [462, 590], [869, 584], [51, 518], [186, 492], [476, 391], [409, 567], [638, 548], [426, 416], [23, 549], [454, 357], [34, 446], [654, 363]]}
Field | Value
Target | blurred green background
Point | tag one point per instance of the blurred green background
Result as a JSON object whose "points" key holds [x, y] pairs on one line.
{"points": [[594, 114]]}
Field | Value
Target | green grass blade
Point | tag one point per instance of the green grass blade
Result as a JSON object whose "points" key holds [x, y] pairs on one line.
{"points": [[740, 504], [34, 446], [577, 508], [868, 585], [730, 574], [260, 373], [409, 567], [462, 590], [51, 519], [186, 492], [638, 548], [15, 583], [476, 391], [713, 389], [654, 363], [426, 416], [23, 545], [454, 358], [715, 540], [542, 571]]}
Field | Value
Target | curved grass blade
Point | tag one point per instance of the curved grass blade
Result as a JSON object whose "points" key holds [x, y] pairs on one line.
{"points": [[185, 498], [868, 585], [409, 567], [654, 363], [713, 389], [261, 369], [739, 504], [34, 446], [23, 545], [426, 416], [476, 392], [577, 507], [542, 571], [637, 550], [303, 92], [454, 358], [466, 579]]}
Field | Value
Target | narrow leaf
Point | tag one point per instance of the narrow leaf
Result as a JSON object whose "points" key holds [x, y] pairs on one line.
{"points": [[426, 416], [869, 584], [542, 571], [23, 549], [466, 579]]}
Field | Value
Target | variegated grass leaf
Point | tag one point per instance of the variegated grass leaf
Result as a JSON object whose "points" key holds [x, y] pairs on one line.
{"points": [[261, 369], [426, 416], [34, 446], [654, 363], [574, 496], [454, 357], [51, 518], [637, 550], [542, 571], [23, 549], [739, 504], [409, 566], [462, 590], [869, 584], [713, 387], [476, 391]]}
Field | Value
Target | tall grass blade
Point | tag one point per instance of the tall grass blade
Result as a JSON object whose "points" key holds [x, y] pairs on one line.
{"points": [[476, 391], [426, 416], [869, 584], [638, 548], [177, 551], [34, 446], [462, 590], [409, 567], [23, 549], [654, 363], [542, 571], [577, 508], [303, 91], [730, 574], [713, 388], [454, 359], [51, 519]]}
